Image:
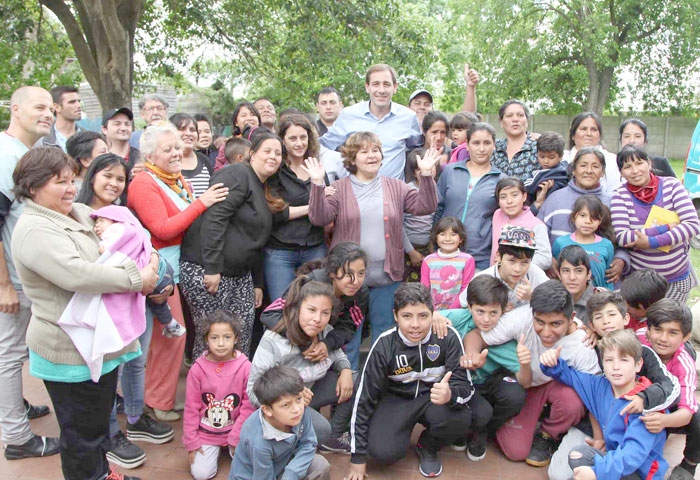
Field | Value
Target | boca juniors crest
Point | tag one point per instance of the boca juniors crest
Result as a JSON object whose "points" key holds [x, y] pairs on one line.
{"points": [[432, 351]]}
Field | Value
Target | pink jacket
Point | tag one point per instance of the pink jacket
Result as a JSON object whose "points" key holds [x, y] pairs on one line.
{"points": [[216, 402], [342, 210]]}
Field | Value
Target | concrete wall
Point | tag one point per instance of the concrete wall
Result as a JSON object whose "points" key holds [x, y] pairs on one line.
{"points": [[668, 136]]}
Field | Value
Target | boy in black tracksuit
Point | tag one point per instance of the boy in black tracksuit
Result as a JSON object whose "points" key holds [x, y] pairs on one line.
{"points": [[411, 376]]}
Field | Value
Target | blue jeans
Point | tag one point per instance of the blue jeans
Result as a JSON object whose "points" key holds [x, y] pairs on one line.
{"points": [[280, 266], [381, 318], [133, 380]]}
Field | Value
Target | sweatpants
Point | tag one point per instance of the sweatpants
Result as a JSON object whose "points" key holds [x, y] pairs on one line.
{"points": [[505, 396], [393, 420], [566, 409]]}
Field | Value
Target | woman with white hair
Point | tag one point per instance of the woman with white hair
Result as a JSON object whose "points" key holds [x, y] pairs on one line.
{"points": [[166, 206]]}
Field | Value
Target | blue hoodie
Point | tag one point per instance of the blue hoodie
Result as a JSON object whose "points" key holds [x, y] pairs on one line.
{"points": [[452, 194], [630, 446]]}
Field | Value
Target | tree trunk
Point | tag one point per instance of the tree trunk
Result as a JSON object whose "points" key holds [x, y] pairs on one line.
{"points": [[102, 35], [599, 82]]}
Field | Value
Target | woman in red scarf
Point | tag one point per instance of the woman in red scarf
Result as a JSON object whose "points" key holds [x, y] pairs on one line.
{"points": [[166, 206], [655, 219]]}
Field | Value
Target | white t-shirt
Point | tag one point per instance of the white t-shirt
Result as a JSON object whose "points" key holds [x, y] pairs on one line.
{"points": [[535, 275], [519, 321]]}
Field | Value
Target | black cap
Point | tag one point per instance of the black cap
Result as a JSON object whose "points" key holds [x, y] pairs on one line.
{"points": [[111, 113]]}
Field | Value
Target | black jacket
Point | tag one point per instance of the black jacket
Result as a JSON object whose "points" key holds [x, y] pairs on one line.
{"points": [[395, 366]]}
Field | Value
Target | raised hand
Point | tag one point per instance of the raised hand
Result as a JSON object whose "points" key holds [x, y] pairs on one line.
{"points": [[550, 357], [426, 164], [523, 291], [315, 169], [472, 361], [440, 394], [522, 351], [471, 76]]}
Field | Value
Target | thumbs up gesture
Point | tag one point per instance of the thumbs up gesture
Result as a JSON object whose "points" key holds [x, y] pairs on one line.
{"points": [[523, 291], [472, 361], [440, 394], [471, 76], [522, 351], [550, 357]]}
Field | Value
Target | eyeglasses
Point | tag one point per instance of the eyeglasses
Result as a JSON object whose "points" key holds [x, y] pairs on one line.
{"points": [[157, 108]]}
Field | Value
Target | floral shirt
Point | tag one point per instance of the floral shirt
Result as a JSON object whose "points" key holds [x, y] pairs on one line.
{"points": [[524, 162]]}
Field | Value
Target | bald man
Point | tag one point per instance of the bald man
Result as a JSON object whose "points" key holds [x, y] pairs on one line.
{"points": [[31, 118]]}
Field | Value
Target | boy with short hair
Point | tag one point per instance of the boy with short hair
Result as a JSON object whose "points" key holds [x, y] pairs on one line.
{"points": [[630, 447], [641, 290], [278, 440], [607, 313], [547, 323], [516, 249], [411, 376], [237, 150], [669, 326], [552, 174], [574, 269], [505, 374]]}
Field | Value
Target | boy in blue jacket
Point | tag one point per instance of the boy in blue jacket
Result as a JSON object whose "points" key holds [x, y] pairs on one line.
{"points": [[632, 451], [278, 440]]}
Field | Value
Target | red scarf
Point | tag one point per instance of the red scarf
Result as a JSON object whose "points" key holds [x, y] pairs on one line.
{"points": [[648, 192]]}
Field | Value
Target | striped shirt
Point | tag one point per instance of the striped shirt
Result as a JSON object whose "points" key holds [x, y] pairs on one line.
{"points": [[629, 215], [198, 178]]}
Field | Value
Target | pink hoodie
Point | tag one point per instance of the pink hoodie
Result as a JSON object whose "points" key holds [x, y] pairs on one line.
{"points": [[216, 402]]}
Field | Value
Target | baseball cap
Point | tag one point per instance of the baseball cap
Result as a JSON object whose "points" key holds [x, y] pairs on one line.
{"points": [[420, 91], [518, 237], [111, 113]]}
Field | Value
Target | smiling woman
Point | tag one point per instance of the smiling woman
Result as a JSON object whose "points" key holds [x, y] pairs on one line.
{"points": [[196, 167]]}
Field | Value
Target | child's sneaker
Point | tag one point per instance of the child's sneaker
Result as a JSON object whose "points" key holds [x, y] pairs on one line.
{"points": [[543, 447], [476, 448], [148, 430], [428, 462], [337, 445], [459, 445], [124, 453], [173, 329]]}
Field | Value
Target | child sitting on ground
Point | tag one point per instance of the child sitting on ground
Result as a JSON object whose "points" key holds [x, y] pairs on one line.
{"points": [[516, 249], [669, 326], [641, 290], [630, 447], [114, 234], [506, 371], [216, 402], [553, 173], [411, 376], [511, 197], [278, 439], [447, 272]]}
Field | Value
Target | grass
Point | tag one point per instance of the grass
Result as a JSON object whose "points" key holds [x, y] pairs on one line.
{"points": [[677, 165]]}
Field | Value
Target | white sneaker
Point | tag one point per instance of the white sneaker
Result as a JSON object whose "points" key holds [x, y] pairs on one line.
{"points": [[174, 330]]}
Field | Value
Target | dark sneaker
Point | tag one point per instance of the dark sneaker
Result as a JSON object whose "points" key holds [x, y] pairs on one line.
{"points": [[337, 445], [36, 411], [118, 476], [476, 448], [120, 404], [124, 453], [543, 447], [428, 462], [459, 445], [36, 447], [146, 429]]}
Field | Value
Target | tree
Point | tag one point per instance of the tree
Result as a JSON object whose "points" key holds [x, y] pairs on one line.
{"points": [[33, 51], [288, 51], [102, 34]]}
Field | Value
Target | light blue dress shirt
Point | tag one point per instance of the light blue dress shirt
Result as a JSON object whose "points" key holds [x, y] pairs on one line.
{"points": [[398, 131]]}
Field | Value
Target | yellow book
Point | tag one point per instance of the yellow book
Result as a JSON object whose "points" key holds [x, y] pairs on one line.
{"points": [[661, 216]]}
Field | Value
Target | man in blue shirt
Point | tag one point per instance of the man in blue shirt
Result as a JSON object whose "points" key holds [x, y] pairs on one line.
{"points": [[396, 125]]}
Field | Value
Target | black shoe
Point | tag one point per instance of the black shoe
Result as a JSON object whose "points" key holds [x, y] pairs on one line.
{"points": [[36, 447], [476, 448], [149, 430], [429, 462], [459, 445], [120, 404], [118, 476], [543, 447], [681, 473], [124, 453], [36, 411]]}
